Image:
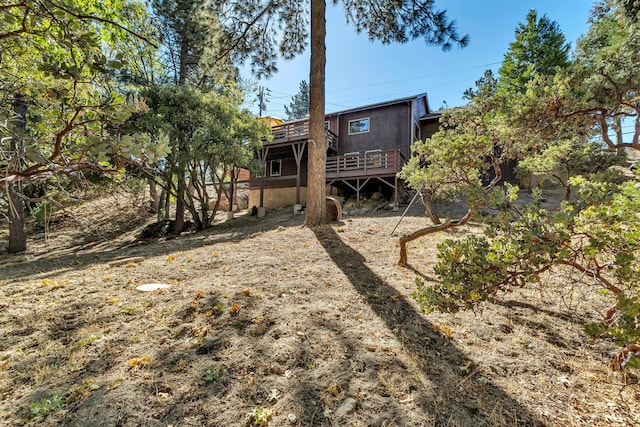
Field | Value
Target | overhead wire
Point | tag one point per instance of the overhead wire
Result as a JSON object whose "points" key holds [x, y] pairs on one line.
{"points": [[352, 102]]}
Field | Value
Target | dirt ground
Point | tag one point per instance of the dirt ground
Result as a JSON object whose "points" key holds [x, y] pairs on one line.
{"points": [[270, 323]]}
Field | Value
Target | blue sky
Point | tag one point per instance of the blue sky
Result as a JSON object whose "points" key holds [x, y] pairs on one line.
{"points": [[360, 72]]}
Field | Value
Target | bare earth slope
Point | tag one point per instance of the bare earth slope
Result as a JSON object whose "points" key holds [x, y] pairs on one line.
{"points": [[269, 322]]}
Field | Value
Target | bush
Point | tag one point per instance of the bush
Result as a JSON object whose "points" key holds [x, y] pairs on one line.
{"points": [[598, 234], [43, 212]]}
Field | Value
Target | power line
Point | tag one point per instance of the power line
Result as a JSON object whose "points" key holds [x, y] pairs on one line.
{"points": [[405, 79], [416, 78]]}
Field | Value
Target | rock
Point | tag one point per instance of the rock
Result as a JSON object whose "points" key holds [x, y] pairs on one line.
{"points": [[547, 184], [162, 228], [242, 202], [347, 406], [292, 418], [377, 196], [350, 204]]}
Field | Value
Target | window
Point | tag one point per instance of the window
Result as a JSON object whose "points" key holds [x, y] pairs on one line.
{"points": [[276, 167], [326, 125], [359, 126]]}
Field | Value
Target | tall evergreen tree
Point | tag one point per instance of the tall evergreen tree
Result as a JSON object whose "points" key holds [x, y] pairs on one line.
{"points": [[385, 20], [299, 106], [203, 41], [539, 47]]}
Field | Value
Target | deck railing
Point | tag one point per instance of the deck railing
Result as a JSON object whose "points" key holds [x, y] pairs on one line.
{"points": [[296, 131], [365, 164]]}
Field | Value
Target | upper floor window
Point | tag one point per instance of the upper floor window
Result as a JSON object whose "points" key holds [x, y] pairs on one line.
{"points": [[359, 126]]}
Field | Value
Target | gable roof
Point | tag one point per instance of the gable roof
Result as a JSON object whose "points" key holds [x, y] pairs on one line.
{"points": [[427, 114], [382, 104]]}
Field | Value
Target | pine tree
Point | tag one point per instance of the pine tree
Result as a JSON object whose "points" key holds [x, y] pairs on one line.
{"points": [[385, 20], [299, 106], [539, 47]]}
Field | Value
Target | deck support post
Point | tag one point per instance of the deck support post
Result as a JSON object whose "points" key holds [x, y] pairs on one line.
{"points": [[262, 156], [261, 193], [395, 192], [298, 149], [232, 187]]}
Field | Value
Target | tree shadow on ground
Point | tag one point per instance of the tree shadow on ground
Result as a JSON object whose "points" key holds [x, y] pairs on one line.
{"points": [[569, 317], [468, 397], [73, 258]]}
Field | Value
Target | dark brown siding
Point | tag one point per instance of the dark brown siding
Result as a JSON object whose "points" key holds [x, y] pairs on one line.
{"points": [[333, 123], [287, 177], [388, 130], [428, 128]]}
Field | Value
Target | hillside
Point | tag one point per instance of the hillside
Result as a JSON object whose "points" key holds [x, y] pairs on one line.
{"points": [[271, 323]]}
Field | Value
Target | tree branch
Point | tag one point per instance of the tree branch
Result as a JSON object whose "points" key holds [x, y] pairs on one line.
{"points": [[430, 230], [104, 21], [249, 25]]}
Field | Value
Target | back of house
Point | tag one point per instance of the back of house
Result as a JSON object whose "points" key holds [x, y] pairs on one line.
{"points": [[367, 147]]}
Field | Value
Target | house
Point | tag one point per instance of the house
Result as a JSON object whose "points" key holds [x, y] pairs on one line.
{"points": [[367, 147]]}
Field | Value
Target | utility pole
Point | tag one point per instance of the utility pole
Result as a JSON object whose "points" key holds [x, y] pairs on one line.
{"points": [[262, 102]]}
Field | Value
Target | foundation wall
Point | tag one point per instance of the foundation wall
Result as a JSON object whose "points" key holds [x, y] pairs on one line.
{"points": [[282, 196]]}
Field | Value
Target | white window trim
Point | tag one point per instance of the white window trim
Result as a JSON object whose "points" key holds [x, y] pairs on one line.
{"points": [[368, 119], [354, 154], [372, 160], [279, 168]]}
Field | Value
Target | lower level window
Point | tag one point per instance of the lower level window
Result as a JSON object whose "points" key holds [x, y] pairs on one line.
{"points": [[276, 167]]}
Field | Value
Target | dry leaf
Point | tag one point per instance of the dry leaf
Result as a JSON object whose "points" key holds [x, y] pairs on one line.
{"points": [[444, 330], [180, 365], [140, 362]]}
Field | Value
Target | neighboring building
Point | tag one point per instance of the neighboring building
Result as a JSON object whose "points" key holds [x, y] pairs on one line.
{"points": [[367, 147]]}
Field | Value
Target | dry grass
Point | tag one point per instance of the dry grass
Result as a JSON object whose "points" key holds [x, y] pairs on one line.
{"points": [[264, 314]]}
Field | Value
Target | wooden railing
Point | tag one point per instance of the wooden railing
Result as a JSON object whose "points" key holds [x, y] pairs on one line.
{"points": [[296, 131], [365, 164]]}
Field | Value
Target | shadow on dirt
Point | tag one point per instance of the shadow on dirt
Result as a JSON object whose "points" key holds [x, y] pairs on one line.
{"points": [[92, 254], [468, 398]]}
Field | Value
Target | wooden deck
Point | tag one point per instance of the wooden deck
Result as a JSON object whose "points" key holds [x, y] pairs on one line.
{"points": [[298, 131], [380, 163]]}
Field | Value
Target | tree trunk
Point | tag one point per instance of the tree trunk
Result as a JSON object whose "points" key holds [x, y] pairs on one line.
{"points": [[428, 210], [155, 196], [429, 230], [17, 233], [161, 205], [316, 176], [167, 202], [181, 188]]}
